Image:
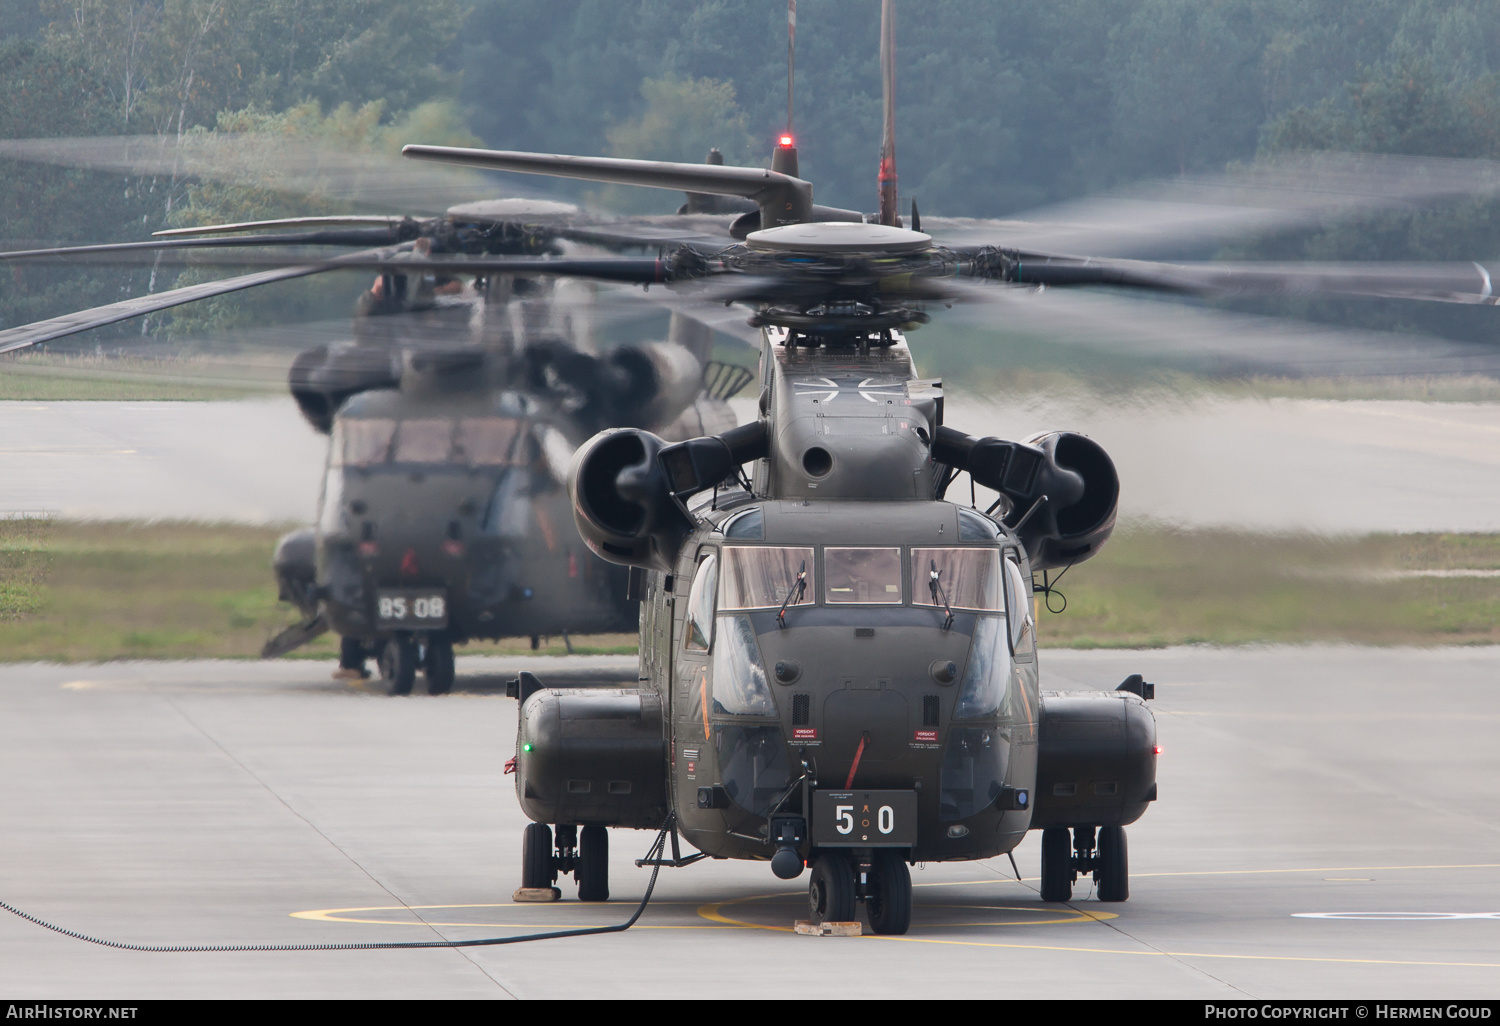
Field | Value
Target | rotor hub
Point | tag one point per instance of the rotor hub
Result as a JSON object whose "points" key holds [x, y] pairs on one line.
{"points": [[838, 237]]}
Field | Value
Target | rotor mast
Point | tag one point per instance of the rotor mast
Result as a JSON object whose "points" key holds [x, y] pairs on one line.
{"points": [[888, 212]]}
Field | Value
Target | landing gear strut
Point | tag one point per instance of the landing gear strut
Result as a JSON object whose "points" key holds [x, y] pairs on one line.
{"points": [[879, 878], [398, 664], [582, 852], [437, 664], [1104, 854]]}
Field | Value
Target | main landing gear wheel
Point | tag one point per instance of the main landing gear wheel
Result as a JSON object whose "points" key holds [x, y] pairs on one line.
{"points": [[352, 656], [593, 864], [1112, 865], [1057, 865], [398, 664], [830, 891], [889, 903], [437, 666], [536, 857]]}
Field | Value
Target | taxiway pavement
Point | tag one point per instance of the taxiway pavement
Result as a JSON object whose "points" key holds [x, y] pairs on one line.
{"points": [[1329, 826]]}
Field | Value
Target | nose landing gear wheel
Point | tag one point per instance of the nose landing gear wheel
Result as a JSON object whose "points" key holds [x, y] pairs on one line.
{"points": [[1057, 865], [593, 864], [889, 906], [438, 666], [536, 856], [1113, 873], [830, 891], [398, 664]]}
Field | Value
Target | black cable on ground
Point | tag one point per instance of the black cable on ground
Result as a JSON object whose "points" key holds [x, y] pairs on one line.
{"points": [[654, 854]]}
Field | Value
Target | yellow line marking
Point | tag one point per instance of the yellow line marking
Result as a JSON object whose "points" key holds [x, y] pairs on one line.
{"points": [[713, 913], [340, 915]]}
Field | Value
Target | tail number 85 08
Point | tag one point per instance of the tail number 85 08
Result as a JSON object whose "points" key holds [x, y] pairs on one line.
{"points": [[411, 608]]}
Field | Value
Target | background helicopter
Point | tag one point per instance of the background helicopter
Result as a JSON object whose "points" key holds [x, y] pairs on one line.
{"points": [[838, 666], [452, 414]]}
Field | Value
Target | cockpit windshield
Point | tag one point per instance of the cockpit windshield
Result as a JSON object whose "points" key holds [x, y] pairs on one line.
{"points": [[965, 578], [762, 576], [472, 441], [867, 576]]}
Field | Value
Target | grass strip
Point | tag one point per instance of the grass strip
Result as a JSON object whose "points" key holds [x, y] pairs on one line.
{"points": [[83, 592]]}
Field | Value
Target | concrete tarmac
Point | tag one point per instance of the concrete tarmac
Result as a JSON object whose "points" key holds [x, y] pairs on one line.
{"points": [[1329, 826]]}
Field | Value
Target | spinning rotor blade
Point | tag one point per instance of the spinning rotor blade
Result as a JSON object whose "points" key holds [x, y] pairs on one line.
{"points": [[297, 166], [1300, 191], [284, 222], [1213, 340], [354, 237], [12, 339], [1432, 282]]}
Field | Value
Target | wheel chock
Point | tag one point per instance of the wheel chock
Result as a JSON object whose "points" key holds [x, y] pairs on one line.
{"points": [[536, 894], [808, 929]]}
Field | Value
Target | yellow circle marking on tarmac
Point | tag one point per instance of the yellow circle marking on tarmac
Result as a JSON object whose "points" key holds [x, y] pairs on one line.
{"points": [[351, 915], [713, 913]]}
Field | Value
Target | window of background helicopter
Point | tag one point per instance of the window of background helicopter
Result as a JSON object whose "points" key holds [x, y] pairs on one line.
{"points": [[969, 577], [485, 441], [700, 632], [367, 440], [759, 577], [868, 576], [424, 441]]}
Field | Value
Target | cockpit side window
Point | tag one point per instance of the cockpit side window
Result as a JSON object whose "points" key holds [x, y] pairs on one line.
{"points": [[700, 625], [1018, 607]]}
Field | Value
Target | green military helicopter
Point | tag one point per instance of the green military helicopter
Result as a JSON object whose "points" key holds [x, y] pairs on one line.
{"points": [[838, 665]]}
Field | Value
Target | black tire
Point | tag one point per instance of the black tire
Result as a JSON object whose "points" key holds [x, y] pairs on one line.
{"points": [[830, 891], [398, 664], [438, 666], [352, 654], [1057, 865], [593, 864], [889, 906], [1113, 873], [536, 856]]}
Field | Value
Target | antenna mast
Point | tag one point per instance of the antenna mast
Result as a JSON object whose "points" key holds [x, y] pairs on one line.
{"points": [[791, 57], [888, 214]]}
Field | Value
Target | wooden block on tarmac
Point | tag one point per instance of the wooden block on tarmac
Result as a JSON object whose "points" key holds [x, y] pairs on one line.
{"points": [[808, 929], [536, 894]]}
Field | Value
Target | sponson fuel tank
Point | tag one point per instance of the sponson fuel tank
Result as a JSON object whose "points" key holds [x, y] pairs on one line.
{"points": [[1096, 759], [592, 756]]}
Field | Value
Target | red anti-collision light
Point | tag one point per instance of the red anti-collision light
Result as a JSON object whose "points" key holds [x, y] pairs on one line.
{"points": [[786, 141], [1157, 750]]}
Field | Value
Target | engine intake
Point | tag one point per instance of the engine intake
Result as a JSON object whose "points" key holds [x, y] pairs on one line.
{"points": [[322, 378], [1063, 488]]}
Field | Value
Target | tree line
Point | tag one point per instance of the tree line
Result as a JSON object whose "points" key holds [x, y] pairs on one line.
{"points": [[1003, 105]]}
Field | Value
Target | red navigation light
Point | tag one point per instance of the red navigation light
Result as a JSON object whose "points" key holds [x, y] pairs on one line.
{"points": [[786, 141], [1157, 750]]}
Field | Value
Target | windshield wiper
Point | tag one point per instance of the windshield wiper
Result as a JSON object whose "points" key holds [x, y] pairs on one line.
{"points": [[939, 593], [798, 588]]}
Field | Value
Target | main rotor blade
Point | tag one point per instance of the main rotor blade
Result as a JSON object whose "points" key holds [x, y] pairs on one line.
{"points": [[352, 220], [782, 198], [1299, 191], [354, 237], [12, 339], [304, 167], [1214, 340], [1468, 283]]}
